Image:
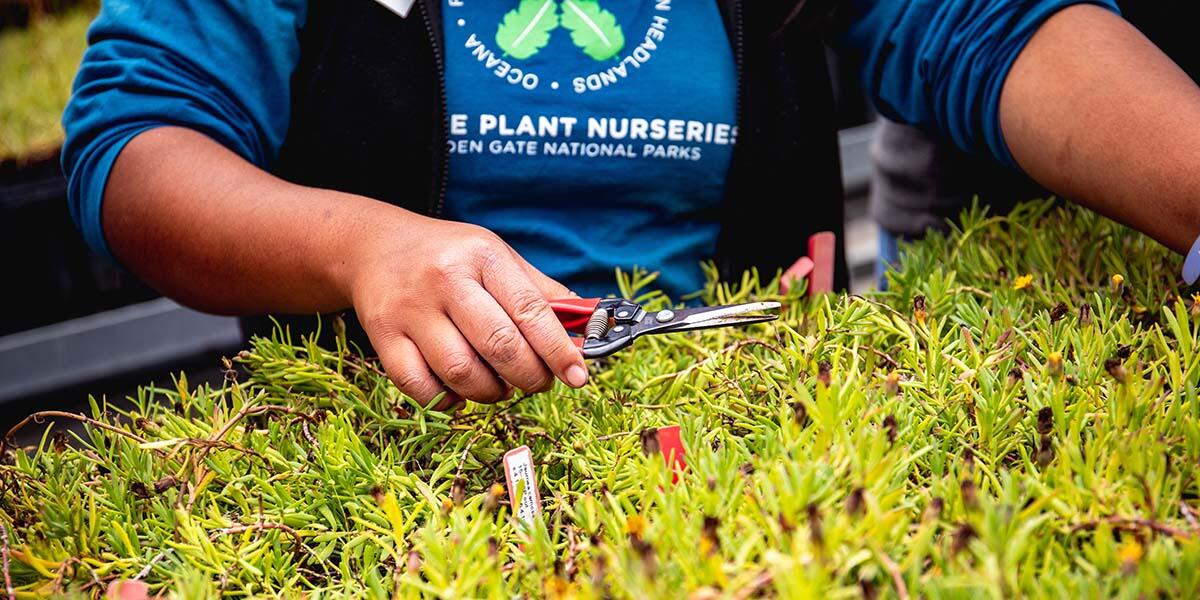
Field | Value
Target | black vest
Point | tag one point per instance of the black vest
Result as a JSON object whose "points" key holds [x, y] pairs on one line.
{"points": [[369, 117]]}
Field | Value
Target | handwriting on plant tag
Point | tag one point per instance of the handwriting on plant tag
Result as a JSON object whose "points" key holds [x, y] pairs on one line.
{"points": [[522, 484]]}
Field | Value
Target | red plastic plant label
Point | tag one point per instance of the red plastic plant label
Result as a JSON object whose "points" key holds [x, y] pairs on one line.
{"points": [[795, 273], [822, 247], [672, 450], [522, 484]]}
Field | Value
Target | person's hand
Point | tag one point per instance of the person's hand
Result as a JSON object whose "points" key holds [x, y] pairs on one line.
{"points": [[451, 307]]}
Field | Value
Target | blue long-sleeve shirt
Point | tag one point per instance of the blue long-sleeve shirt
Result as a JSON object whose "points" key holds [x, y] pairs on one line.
{"points": [[224, 68]]}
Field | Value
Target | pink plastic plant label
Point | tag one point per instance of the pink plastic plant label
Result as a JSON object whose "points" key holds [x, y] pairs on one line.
{"points": [[522, 484]]}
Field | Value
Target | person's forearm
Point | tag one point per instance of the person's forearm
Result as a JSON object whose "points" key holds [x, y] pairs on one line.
{"points": [[1096, 113], [214, 232], [446, 305]]}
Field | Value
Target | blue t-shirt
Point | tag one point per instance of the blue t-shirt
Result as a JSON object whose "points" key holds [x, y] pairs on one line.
{"points": [[592, 134], [224, 68]]}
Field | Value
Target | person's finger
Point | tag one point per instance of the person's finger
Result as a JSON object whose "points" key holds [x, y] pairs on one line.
{"points": [[127, 589], [455, 362], [550, 288], [406, 367], [498, 340], [528, 306]]}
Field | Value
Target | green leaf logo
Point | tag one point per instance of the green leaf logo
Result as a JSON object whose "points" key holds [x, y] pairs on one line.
{"points": [[593, 29], [526, 29]]}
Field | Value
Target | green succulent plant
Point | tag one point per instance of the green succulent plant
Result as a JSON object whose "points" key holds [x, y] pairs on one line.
{"points": [[1009, 420]]}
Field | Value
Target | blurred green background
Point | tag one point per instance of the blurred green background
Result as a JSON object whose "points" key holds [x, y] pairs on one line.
{"points": [[40, 48]]}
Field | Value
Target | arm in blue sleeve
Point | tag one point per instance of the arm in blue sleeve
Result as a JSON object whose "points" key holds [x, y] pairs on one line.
{"points": [[941, 64], [220, 67]]}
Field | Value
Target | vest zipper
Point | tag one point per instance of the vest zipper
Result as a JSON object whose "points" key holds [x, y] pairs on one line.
{"points": [[738, 60], [439, 200], [724, 258]]}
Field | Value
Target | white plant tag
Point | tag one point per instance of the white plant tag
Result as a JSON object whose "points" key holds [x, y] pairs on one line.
{"points": [[400, 7], [518, 471]]}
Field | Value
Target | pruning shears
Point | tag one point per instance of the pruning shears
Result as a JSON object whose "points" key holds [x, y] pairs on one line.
{"points": [[607, 325]]}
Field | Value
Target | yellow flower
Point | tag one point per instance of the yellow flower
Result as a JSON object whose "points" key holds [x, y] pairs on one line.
{"points": [[1023, 282], [635, 525], [1054, 363], [492, 500], [1130, 553], [557, 587], [891, 385], [1117, 280]]}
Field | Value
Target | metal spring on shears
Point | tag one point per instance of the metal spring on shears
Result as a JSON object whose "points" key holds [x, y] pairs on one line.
{"points": [[597, 325]]}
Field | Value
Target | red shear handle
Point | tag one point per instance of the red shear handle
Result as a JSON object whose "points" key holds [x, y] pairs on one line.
{"points": [[574, 313]]}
